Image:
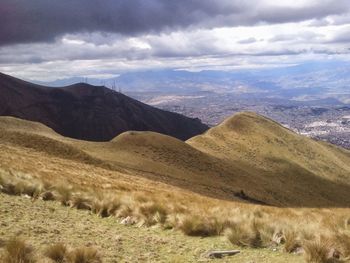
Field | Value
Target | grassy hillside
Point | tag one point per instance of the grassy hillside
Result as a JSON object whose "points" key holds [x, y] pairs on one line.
{"points": [[217, 184], [246, 158], [104, 201], [265, 144], [287, 164], [115, 242]]}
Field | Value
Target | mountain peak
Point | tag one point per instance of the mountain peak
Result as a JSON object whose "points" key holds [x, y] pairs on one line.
{"points": [[88, 112], [247, 122]]}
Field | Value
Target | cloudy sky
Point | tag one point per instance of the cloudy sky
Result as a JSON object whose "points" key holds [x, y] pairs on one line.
{"points": [[46, 40]]}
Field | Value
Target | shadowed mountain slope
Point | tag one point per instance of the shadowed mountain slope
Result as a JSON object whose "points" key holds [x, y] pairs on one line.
{"points": [[88, 112]]}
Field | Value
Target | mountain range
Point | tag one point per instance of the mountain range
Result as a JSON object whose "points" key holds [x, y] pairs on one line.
{"points": [[248, 157], [302, 82], [87, 112]]}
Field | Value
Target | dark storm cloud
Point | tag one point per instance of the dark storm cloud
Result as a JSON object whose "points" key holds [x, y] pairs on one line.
{"points": [[25, 21], [43, 20]]}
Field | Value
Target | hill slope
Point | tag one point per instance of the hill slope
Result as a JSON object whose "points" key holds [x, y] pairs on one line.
{"points": [[247, 158], [89, 112], [115, 242], [264, 144]]}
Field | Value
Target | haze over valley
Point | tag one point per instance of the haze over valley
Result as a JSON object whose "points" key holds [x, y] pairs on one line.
{"points": [[312, 99]]}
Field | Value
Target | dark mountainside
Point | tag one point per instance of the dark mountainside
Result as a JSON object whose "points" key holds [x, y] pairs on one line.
{"points": [[87, 112]]}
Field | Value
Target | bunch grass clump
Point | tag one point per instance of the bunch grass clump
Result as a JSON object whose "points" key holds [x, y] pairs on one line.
{"points": [[319, 251], [195, 225], [64, 194], [105, 206], [18, 251], [152, 213], [342, 241], [57, 252], [244, 235], [84, 255], [79, 201], [292, 241]]}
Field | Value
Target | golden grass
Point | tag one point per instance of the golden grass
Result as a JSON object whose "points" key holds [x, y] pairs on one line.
{"points": [[152, 213], [292, 241], [319, 251], [84, 255], [118, 188], [18, 251], [196, 225], [64, 194], [343, 244], [246, 153], [253, 232], [250, 226], [57, 252], [279, 160]]}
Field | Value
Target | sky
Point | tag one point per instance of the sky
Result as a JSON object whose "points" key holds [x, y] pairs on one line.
{"points": [[48, 40]]}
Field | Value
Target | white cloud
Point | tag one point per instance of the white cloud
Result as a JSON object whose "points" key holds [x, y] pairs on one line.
{"points": [[319, 31]]}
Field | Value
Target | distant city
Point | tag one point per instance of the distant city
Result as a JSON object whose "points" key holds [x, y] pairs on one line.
{"points": [[319, 120]]}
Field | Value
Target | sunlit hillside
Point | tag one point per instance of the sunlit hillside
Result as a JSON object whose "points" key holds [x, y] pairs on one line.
{"points": [[247, 153], [249, 179]]}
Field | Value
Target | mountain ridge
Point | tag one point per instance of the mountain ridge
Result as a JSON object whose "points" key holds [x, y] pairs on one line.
{"points": [[224, 163], [89, 112]]}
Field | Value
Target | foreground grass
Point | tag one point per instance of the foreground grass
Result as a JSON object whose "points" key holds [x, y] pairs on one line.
{"points": [[42, 224], [321, 235]]}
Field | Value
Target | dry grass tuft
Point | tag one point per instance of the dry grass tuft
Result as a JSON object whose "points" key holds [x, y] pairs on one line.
{"points": [[319, 251], [292, 242], [84, 255], [19, 187], [17, 251], [113, 206], [64, 194], [245, 235], [343, 244], [81, 202], [195, 225], [48, 196], [106, 206], [253, 232], [152, 213], [9, 188], [103, 208], [57, 253]]}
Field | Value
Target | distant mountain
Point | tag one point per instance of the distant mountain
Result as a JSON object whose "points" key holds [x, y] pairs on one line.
{"points": [[65, 82], [306, 81], [87, 112]]}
